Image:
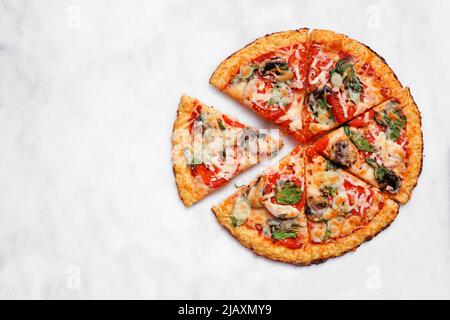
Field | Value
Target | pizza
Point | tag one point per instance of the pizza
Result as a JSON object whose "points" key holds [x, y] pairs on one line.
{"points": [[358, 157], [382, 146], [209, 148], [306, 82], [305, 210]]}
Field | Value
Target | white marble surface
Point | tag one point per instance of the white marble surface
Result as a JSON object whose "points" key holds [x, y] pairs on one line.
{"points": [[88, 204]]}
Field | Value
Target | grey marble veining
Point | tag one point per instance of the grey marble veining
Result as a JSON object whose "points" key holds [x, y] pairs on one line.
{"points": [[88, 205]]}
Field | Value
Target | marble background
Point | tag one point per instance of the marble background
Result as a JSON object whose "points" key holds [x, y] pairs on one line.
{"points": [[88, 204]]}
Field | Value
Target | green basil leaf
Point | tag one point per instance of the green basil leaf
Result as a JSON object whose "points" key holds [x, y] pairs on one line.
{"points": [[288, 193], [347, 131], [329, 191], [358, 140], [322, 104], [380, 170], [362, 143], [283, 235]]}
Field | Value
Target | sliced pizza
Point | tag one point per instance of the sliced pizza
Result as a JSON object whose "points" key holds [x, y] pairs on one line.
{"points": [[209, 148], [383, 146], [345, 79], [269, 77], [342, 211], [305, 210], [268, 215]]}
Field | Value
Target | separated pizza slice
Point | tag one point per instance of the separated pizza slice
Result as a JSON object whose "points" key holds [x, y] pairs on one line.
{"points": [[210, 148], [382, 146], [342, 210], [268, 215], [345, 79], [269, 77]]}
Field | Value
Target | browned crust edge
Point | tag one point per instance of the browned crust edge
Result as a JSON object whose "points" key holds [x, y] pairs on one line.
{"points": [[188, 190], [230, 66], [414, 136]]}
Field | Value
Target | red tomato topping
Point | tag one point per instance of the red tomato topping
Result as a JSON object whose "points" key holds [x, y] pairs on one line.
{"points": [[337, 110], [360, 121], [232, 122], [208, 176], [359, 191]]}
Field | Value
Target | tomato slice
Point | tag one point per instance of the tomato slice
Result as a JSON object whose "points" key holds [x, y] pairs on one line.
{"points": [[362, 121], [208, 176], [194, 115], [232, 122], [291, 243], [338, 111], [321, 144]]}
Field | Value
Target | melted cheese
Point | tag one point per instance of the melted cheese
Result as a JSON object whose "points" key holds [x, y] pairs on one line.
{"points": [[389, 152], [279, 210], [293, 115]]}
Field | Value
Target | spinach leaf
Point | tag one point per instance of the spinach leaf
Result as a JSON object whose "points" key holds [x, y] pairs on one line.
{"points": [[351, 80], [380, 170], [288, 193], [358, 140], [280, 235], [393, 120], [340, 67]]}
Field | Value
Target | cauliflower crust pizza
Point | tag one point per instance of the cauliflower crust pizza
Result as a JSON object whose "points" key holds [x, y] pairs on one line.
{"points": [[359, 154]]}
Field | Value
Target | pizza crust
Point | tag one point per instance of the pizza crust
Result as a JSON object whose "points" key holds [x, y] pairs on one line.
{"points": [[311, 253], [414, 149], [189, 189], [230, 67]]}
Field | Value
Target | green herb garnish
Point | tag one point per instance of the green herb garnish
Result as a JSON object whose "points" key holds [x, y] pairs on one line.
{"points": [[358, 140], [288, 193], [283, 235], [329, 191]]}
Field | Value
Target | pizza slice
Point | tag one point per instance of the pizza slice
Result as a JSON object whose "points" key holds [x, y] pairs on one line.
{"points": [[210, 148], [342, 211], [268, 215], [269, 77], [382, 146], [345, 79]]}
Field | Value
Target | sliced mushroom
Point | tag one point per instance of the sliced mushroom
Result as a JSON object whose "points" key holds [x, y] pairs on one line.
{"points": [[315, 209], [390, 182], [276, 68], [343, 153]]}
